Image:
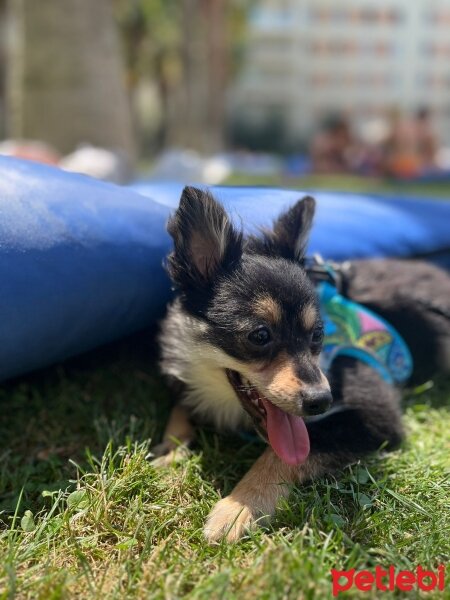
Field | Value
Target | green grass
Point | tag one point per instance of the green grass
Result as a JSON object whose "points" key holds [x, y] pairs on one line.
{"points": [[347, 183], [83, 514]]}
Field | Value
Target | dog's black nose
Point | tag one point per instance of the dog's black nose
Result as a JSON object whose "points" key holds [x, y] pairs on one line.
{"points": [[316, 402]]}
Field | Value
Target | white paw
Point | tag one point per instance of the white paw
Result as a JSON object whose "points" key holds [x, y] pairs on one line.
{"points": [[164, 454], [229, 519]]}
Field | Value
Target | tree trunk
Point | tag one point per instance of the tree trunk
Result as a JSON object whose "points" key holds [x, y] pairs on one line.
{"points": [[66, 83], [2, 66], [197, 112], [218, 68]]}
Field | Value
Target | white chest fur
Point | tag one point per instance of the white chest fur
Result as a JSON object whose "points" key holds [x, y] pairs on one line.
{"points": [[201, 367]]}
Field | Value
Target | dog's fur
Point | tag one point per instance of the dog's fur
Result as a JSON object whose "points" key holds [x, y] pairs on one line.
{"points": [[230, 286]]}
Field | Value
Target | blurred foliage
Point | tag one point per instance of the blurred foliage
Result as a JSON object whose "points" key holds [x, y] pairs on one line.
{"points": [[270, 134], [152, 34], [167, 43], [267, 136]]}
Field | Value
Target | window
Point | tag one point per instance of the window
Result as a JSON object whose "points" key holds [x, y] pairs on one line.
{"points": [[368, 16], [342, 47], [435, 49], [438, 17]]}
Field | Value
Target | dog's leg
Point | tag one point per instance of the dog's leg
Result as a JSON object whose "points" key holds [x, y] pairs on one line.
{"points": [[178, 435], [365, 416], [256, 496]]}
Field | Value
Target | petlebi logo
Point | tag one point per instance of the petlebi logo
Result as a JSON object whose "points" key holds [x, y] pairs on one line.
{"points": [[388, 579]]}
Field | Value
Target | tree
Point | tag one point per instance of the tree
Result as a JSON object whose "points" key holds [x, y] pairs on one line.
{"points": [[2, 65], [66, 83], [189, 48]]}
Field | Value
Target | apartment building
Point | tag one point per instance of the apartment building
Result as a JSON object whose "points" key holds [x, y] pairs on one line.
{"points": [[306, 59]]}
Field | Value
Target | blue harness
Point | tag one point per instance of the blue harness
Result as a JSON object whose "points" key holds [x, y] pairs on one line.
{"points": [[353, 330]]}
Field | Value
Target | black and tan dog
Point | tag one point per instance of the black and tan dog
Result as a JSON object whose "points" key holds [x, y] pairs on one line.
{"points": [[241, 346]]}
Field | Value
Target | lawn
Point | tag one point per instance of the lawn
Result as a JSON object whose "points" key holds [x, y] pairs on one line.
{"points": [[83, 514], [348, 183]]}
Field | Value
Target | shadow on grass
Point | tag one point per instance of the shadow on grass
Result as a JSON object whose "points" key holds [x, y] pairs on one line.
{"points": [[53, 415]]}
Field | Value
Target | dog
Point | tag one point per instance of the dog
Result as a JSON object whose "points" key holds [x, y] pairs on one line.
{"points": [[241, 344]]}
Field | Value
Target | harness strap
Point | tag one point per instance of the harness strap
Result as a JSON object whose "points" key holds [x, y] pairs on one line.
{"points": [[353, 330]]}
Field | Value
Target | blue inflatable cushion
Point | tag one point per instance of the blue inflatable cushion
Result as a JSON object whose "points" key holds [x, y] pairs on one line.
{"points": [[81, 260]]}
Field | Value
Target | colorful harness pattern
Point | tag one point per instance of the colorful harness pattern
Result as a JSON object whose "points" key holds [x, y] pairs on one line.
{"points": [[353, 330]]}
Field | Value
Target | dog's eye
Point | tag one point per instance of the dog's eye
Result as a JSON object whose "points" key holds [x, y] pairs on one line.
{"points": [[260, 336], [317, 336]]}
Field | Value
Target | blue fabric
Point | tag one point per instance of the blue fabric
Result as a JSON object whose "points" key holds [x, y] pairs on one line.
{"points": [[346, 225], [80, 264], [81, 260]]}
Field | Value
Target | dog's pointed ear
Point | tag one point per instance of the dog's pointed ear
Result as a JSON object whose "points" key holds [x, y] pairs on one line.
{"points": [[290, 233], [205, 241]]}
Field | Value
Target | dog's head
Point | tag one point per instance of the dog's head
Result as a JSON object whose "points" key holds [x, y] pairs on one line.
{"points": [[259, 313]]}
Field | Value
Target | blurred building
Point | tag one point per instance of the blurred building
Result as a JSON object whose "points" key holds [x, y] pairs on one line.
{"points": [[308, 59]]}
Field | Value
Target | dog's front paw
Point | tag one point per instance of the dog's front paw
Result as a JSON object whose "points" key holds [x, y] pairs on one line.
{"points": [[167, 453], [229, 519]]}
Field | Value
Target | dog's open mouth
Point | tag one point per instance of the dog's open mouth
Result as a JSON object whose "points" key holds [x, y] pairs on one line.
{"points": [[286, 433]]}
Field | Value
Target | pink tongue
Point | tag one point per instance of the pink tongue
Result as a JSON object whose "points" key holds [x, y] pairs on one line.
{"points": [[287, 433]]}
